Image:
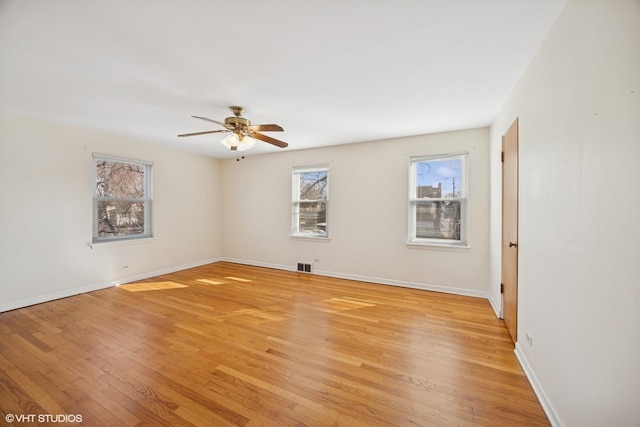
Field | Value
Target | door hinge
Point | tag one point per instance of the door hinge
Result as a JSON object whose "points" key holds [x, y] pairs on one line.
{"points": [[502, 156], [502, 288]]}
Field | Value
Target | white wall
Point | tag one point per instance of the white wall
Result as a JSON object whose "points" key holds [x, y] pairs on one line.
{"points": [[46, 197], [368, 213], [579, 242]]}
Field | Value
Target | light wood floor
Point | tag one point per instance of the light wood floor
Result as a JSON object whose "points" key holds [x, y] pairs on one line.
{"points": [[226, 344]]}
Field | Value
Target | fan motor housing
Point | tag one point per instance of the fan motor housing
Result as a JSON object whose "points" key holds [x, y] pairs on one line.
{"points": [[237, 122]]}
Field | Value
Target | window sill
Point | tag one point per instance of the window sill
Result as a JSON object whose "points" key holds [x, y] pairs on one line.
{"points": [[121, 242], [310, 238], [439, 247]]}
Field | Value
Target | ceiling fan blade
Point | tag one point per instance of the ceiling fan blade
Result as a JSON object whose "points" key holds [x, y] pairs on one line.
{"points": [[203, 133], [266, 128], [270, 140], [209, 120]]}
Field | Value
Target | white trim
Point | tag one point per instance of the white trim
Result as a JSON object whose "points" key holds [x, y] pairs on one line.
{"points": [[439, 247], [463, 199], [121, 242], [260, 264], [431, 157], [120, 159], [100, 285], [545, 402], [496, 308], [310, 237], [376, 280], [323, 167], [295, 198], [53, 296], [405, 284], [146, 200]]}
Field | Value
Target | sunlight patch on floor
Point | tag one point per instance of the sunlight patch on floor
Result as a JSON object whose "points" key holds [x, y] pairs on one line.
{"points": [[237, 279], [209, 281], [152, 286]]}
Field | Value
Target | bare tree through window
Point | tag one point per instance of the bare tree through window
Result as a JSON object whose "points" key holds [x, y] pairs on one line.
{"points": [[121, 199], [311, 193]]}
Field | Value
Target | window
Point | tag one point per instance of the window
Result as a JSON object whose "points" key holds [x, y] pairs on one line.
{"points": [[438, 200], [310, 198], [121, 199]]}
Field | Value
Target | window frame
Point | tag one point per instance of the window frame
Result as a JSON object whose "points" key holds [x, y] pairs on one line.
{"points": [[295, 201], [147, 200], [463, 198]]}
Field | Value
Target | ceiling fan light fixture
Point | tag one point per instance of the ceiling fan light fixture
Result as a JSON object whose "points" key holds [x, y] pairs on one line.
{"points": [[247, 143], [237, 142], [230, 141]]}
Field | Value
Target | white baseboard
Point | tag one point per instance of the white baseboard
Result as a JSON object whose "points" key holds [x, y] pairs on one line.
{"points": [[259, 264], [405, 284], [100, 285], [377, 280], [496, 308], [53, 296], [162, 271], [548, 408]]}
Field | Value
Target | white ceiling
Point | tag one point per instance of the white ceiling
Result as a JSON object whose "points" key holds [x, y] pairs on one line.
{"points": [[329, 72]]}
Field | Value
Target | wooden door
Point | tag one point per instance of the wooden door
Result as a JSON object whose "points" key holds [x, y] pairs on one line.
{"points": [[510, 229]]}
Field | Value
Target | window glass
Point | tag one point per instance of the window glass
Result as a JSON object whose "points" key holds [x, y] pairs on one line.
{"points": [[310, 202], [122, 199], [437, 200]]}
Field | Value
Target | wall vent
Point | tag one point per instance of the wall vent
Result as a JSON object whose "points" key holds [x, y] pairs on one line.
{"points": [[305, 268]]}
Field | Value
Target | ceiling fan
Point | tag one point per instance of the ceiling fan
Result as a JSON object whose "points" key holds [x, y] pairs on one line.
{"points": [[243, 134]]}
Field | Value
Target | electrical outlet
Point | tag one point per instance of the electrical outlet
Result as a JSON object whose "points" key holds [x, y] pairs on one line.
{"points": [[124, 267], [316, 260], [529, 338]]}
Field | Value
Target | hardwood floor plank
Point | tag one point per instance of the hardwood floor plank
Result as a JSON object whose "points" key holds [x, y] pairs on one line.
{"points": [[265, 406], [136, 407], [96, 402], [228, 344], [37, 397], [13, 398], [190, 399]]}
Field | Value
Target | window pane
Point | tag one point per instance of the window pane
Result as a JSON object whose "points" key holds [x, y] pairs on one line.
{"points": [[312, 217], [438, 219], [313, 186], [440, 178], [121, 180], [120, 218]]}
